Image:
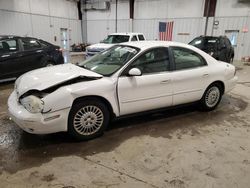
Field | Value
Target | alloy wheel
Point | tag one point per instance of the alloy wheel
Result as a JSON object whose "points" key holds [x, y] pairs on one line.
{"points": [[88, 120], [212, 96]]}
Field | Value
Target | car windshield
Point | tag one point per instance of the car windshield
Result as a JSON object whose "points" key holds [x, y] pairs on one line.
{"points": [[205, 43], [110, 60], [114, 39]]}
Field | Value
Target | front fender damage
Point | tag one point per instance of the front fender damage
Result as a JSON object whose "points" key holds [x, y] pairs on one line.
{"points": [[59, 96]]}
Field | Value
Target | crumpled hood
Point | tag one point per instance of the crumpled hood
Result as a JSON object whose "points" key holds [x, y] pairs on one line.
{"points": [[97, 47], [44, 78]]}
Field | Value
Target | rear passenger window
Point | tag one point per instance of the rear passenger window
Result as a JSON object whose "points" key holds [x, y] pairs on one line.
{"points": [[228, 43], [8, 45], [134, 38], [185, 59], [141, 37], [222, 43], [30, 44], [43, 44]]}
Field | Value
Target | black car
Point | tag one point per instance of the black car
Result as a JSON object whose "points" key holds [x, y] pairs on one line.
{"points": [[21, 54], [218, 47]]}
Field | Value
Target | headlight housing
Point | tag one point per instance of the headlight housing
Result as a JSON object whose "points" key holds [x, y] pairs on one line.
{"points": [[32, 103]]}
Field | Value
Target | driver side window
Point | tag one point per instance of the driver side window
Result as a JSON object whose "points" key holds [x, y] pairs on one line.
{"points": [[153, 61]]}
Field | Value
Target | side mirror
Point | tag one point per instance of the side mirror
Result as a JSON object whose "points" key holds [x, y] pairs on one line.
{"points": [[134, 72]]}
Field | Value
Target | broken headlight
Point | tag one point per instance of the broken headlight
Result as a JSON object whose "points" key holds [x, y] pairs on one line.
{"points": [[32, 103]]}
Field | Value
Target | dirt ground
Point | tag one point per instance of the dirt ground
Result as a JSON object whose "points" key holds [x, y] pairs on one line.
{"points": [[177, 148]]}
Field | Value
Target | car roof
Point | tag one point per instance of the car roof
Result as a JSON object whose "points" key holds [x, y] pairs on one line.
{"points": [[221, 36], [209, 36], [15, 36], [126, 33], [154, 43], [7, 36]]}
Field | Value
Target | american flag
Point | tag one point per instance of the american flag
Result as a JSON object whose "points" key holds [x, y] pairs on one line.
{"points": [[166, 30]]}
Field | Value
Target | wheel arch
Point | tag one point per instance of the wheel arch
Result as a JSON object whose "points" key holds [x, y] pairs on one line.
{"points": [[96, 97], [218, 82]]}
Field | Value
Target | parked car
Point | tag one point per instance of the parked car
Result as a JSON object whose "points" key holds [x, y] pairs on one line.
{"points": [[22, 54], [218, 47], [124, 79], [113, 39], [80, 47]]}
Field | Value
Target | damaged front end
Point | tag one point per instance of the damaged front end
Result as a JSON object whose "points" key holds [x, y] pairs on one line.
{"points": [[33, 100]]}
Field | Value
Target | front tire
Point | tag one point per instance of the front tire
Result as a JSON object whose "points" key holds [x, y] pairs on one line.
{"points": [[88, 119], [212, 97]]}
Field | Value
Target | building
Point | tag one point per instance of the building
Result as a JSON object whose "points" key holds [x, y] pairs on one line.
{"points": [[228, 17]]}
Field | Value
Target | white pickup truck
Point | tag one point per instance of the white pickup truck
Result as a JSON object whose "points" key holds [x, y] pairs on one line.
{"points": [[111, 40]]}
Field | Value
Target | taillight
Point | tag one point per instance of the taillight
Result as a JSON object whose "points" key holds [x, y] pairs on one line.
{"points": [[59, 49]]}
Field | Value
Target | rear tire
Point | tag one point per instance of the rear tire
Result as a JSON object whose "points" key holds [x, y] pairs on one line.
{"points": [[88, 119], [212, 97]]}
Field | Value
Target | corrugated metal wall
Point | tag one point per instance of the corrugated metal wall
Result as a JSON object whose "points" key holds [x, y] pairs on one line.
{"points": [[187, 16], [38, 19], [236, 23], [185, 29], [99, 29]]}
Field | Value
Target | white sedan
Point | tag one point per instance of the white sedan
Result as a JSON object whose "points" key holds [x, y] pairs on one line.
{"points": [[125, 79]]}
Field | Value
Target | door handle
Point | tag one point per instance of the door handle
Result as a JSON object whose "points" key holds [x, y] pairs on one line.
{"points": [[205, 75], [165, 81]]}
